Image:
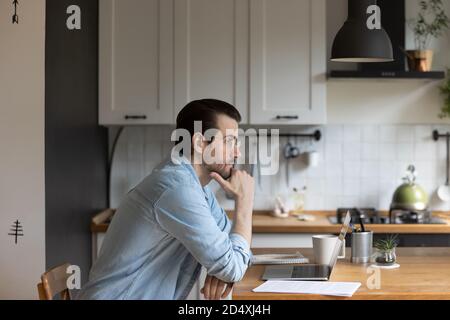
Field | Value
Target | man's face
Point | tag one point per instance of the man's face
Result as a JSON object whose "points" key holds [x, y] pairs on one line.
{"points": [[224, 147]]}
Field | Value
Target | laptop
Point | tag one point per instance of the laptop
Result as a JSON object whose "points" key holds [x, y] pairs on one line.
{"points": [[309, 272]]}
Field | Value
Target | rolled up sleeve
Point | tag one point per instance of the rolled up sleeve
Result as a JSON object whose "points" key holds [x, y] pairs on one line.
{"points": [[184, 213], [224, 222]]}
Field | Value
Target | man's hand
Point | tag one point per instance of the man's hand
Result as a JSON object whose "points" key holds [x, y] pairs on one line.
{"points": [[241, 185], [213, 288]]}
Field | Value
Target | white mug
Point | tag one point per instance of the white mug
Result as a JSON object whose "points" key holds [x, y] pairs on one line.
{"points": [[312, 159], [323, 246]]}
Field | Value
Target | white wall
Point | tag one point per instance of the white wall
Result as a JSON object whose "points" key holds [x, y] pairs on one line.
{"points": [[22, 188], [384, 101]]}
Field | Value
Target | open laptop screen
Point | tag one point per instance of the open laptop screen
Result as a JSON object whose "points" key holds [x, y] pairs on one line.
{"points": [[340, 241]]}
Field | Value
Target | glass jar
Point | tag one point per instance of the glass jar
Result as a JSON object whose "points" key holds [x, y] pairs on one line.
{"points": [[385, 257], [297, 203]]}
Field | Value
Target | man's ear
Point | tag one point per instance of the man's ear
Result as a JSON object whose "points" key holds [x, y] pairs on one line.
{"points": [[197, 142]]}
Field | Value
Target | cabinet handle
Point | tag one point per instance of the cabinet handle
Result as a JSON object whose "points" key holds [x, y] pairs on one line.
{"points": [[130, 117], [287, 117]]}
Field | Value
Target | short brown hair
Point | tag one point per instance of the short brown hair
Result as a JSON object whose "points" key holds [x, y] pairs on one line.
{"points": [[206, 111]]}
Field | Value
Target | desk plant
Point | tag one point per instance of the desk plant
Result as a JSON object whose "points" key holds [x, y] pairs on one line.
{"points": [[385, 254]]}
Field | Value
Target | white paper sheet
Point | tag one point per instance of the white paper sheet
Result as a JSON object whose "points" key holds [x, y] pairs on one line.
{"points": [[340, 289]]}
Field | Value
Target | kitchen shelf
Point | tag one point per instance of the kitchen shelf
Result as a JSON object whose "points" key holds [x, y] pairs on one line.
{"points": [[354, 74]]}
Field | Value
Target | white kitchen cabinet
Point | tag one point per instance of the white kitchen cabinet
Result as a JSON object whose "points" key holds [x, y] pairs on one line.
{"points": [[288, 62], [211, 52], [268, 58], [136, 62]]}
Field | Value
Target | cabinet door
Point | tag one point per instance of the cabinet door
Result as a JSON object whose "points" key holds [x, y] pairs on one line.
{"points": [[136, 62], [288, 62], [211, 52]]}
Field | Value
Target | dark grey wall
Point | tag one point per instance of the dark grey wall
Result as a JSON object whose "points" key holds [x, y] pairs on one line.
{"points": [[76, 147]]}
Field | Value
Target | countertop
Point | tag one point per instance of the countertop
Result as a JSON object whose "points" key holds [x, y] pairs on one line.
{"points": [[263, 222], [424, 273]]}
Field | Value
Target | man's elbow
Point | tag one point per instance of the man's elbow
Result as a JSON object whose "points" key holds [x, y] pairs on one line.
{"points": [[238, 274], [232, 272]]}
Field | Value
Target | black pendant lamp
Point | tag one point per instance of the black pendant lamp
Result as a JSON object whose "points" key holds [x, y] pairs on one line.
{"points": [[355, 42]]}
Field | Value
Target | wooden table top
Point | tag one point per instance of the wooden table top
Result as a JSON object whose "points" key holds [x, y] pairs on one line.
{"points": [[263, 222], [424, 274]]}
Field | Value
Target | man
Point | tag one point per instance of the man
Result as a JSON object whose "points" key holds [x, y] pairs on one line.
{"points": [[171, 223]]}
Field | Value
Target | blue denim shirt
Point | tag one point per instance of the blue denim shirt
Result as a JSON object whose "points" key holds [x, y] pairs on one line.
{"points": [[163, 231]]}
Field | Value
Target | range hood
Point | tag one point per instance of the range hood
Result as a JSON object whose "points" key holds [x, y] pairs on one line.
{"points": [[394, 22]]}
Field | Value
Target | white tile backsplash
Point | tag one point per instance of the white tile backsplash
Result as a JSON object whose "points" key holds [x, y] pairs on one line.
{"points": [[352, 169], [352, 133], [370, 134], [333, 186], [370, 169], [422, 133], [388, 134], [387, 170], [333, 150], [388, 151], [334, 133], [405, 151], [405, 134], [359, 165], [351, 187], [370, 151], [352, 151]]}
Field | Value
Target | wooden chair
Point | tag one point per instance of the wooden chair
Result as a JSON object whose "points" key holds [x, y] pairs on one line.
{"points": [[54, 282]]}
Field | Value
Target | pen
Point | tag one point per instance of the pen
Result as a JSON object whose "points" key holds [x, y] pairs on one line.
{"points": [[361, 221]]}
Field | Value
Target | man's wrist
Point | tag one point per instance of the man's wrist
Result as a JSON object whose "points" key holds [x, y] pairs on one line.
{"points": [[244, 200], [244, 206]]}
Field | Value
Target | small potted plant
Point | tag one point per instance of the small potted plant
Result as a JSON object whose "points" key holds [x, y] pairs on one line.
{"points": [[445, 91], [431, 22], [385, 250]]}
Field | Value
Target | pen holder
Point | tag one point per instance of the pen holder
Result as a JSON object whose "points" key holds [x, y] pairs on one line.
{"points": [[362, 243]]}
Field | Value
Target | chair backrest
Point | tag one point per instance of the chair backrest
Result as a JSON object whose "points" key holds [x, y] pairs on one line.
{"points": [[54, 282]]}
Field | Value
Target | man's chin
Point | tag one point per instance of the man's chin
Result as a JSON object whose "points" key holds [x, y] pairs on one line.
{"points": [[224, 172], [227, 175]]}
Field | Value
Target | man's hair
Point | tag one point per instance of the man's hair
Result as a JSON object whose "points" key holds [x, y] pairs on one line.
{"points": [[206, 111]]}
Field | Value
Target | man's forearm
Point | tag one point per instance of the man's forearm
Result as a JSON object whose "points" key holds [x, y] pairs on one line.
{"points": [[243, 220]]}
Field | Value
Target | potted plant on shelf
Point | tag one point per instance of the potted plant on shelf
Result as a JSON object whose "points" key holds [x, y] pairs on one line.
{"points": [[445, 91], [431, 22], [385, 250]]}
